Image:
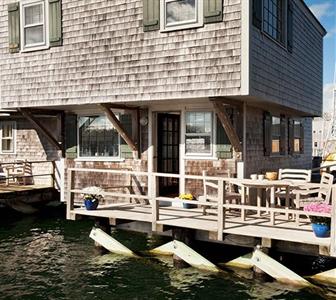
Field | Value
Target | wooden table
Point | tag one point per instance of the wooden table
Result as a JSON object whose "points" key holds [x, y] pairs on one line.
{"points": [[272, 185]]}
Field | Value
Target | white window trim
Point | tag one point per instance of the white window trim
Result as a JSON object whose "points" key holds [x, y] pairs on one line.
{"points": [[285, 29], [13, 123], [39, 46], [198, 22], [213, 145], [97, 158]]}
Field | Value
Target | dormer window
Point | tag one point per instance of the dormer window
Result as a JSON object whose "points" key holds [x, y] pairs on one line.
{"points": [[181, 14]]}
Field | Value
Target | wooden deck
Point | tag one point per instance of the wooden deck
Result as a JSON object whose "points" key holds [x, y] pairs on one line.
{"points": [[253, 226], [16, 188], [269, 226]]}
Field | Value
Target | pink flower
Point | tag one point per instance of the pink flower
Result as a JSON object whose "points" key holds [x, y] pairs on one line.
{"points": [[318, 207]]}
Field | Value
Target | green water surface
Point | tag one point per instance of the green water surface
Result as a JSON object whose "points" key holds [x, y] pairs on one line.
{"points": [[46, 257]]}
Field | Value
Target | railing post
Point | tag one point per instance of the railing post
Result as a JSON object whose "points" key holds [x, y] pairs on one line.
{"points": [[220, 208], [53, 173], [155, 206], [70, 205], [333, 223]]}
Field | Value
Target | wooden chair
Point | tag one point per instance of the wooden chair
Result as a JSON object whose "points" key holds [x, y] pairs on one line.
{"points": [[16, 170], [314, 192], [293, 175], [210, 189]]}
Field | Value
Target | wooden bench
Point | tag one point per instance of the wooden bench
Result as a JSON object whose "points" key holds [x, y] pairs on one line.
{"points": [[14, 172]]}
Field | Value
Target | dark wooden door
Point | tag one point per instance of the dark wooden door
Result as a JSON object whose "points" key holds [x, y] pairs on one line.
{"points": [[168, 152]]}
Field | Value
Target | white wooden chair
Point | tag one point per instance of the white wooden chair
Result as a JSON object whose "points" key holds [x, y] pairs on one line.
{"points": [[293, 175], [16, 170], [210, 189], [307, 194]]}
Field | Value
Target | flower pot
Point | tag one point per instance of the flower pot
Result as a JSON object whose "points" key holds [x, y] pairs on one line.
{"points": [[189, 205], [321, 230], [91, 204]]}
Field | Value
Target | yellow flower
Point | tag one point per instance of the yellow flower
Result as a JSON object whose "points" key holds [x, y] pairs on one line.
{"points": [[186, 196]]}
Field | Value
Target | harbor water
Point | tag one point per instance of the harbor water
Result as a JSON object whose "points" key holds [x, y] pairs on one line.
{"points": [[43, 256]]}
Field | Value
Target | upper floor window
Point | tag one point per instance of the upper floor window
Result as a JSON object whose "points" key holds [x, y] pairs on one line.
{"points": [[181, 14], [273, 19], [8, 136], [33, 24]]}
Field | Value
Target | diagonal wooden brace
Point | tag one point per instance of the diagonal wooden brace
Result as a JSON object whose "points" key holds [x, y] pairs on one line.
{"points": [[118, 126], [227, 125], [39, 127]]}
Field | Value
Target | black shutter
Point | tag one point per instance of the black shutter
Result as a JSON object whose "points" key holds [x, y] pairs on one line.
{"points": [[290, 136], [71, 136], [151, 15], [213, 11], [301, 138], [283, 128], [267, 134], [257, 13], [290, 26], [14, 27]]}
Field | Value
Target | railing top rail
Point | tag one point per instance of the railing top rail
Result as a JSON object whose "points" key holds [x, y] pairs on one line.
{"points": [[143, 173], [27, 161], [323, 167]]}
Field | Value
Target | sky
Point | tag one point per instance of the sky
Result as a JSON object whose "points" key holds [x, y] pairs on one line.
{"points": [[325, 11]]}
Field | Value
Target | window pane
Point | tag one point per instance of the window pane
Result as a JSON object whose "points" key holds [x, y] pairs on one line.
{"points": [[275, 126], [180, 11], [33, 14], [275, 146], [7, 131], [97, 137], [273, 18], [7, 146], [34, 35], [296, 145], [198, 144]]}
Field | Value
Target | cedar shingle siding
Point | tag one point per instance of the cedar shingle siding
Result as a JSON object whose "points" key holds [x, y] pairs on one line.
{"points": [[287, 78], [106, 57]]}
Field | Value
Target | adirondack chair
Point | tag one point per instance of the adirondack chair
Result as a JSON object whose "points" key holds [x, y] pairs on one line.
{"points": [[293, 175], [314, 192], [210, 188]]}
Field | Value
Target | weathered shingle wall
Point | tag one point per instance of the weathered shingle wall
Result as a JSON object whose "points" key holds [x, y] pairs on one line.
{"points": [[257, 162], [107, 57], [291, 79]]}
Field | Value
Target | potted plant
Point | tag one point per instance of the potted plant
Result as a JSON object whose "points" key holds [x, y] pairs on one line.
{"points": [[92, 195], [187, 197], [320, 225]]}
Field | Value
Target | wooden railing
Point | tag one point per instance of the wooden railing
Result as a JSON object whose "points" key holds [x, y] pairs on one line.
{"points": [[10, 171], [220, 205]]}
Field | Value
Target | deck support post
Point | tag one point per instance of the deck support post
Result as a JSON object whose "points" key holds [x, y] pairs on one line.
{"points": [[185, 236], [104, 225], [257, 271]]}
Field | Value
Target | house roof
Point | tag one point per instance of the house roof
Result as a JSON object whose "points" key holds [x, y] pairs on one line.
{"points": [[318, 23]]}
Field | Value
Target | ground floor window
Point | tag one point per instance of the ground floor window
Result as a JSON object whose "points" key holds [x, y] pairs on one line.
{"points": [[276, 135], [199, 133], [297, 136], [97, 137], [8, 136]]}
